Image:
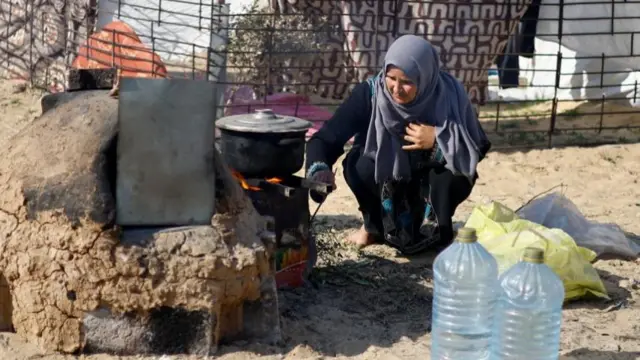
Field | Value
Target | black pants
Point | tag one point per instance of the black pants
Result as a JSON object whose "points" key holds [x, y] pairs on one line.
{"points": [[447, 192]]}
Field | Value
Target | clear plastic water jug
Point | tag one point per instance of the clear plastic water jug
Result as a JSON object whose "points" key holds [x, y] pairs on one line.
{"points": [[464, 295], [529, 311]]}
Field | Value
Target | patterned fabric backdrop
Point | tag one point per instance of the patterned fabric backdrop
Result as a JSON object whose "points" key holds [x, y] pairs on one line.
{"points": [[40, 38], [468, 34]]}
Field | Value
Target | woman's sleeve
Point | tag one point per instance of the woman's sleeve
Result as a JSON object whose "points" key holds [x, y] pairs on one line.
{"points": [[351, 117], [485, 145]]}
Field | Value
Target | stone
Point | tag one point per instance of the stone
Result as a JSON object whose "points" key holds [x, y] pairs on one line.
{"points": [[76, 278], [91, 79], [170, 180]]}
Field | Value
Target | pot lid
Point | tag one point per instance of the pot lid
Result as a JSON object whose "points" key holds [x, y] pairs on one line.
{"points": [[263, 121]]}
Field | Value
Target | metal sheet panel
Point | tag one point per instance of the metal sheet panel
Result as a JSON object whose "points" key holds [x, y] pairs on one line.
{"points": [[165, 174]]}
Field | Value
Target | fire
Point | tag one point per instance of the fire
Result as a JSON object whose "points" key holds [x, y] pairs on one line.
{"points": [[245, 185]]}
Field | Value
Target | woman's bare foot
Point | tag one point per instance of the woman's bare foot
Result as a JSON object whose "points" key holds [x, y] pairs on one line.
{"points": [[361, 238]]}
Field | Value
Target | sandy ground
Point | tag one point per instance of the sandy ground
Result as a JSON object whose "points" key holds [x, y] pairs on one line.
{"points": [[374, 304]]}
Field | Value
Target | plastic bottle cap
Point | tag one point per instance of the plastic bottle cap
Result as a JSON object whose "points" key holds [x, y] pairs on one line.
{"points": [[467, 235], [533, 255]]}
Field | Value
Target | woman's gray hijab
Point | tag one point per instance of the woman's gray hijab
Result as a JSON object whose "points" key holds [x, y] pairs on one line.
{"points": [[441, 101]]}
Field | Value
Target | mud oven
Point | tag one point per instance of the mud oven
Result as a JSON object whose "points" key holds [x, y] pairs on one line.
{"points": [[262, 151], [197, 243]]}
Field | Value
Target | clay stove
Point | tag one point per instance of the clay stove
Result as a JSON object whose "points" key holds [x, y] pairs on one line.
{"points": [[266, 150], [286, 201]]}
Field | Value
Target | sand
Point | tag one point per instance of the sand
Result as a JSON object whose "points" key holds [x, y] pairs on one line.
{"points": [[375, 304]]}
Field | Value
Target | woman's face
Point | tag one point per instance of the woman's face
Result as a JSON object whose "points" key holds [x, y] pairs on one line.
{"points": [[402, 90]]}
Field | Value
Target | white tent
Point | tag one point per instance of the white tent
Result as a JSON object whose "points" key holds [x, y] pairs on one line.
{"points": [[582, 78], [175, 26]]}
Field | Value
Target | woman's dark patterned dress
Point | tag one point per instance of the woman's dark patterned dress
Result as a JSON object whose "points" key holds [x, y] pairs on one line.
{"points": [[409, 221]]}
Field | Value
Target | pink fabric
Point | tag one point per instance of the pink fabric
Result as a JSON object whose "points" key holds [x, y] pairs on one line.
{"points": [[242, 101]]}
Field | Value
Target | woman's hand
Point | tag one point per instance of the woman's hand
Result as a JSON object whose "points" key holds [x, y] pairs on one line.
{"points": [[325, 177], [421, 137]]}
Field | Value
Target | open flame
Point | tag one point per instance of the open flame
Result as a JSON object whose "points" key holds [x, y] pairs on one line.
{"points": [[245, 185]]}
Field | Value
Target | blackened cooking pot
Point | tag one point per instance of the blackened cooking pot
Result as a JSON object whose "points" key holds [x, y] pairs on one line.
{"points": [[263, 144]]}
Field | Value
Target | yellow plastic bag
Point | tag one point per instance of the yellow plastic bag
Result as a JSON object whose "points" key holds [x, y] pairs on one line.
{"points": [[506, 236]]}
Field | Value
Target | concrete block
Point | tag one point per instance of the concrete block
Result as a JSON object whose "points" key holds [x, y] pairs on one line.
{"points": [[91, 79], [162, 331]]}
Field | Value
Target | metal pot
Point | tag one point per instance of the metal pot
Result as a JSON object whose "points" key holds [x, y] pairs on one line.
{"points": [[263, 144]]}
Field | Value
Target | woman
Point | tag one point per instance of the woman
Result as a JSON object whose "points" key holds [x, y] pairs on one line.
{"points": [[417, 145]]}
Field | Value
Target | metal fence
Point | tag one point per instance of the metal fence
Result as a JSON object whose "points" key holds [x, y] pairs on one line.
{"points": [[566, 70]]}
